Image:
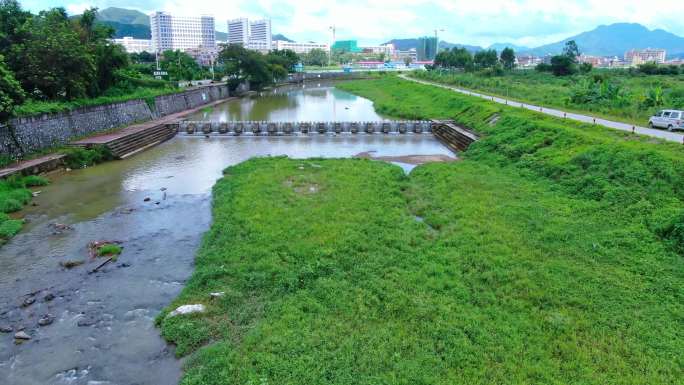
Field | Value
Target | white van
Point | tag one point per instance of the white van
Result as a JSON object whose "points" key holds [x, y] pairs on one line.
{"points": [[670, 119]]}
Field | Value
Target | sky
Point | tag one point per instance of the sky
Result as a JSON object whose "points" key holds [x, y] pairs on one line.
{"points": [[528, 23]]}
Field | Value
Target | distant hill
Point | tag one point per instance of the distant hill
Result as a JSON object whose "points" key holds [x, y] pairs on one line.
{"points": [[282, 37], [616, 39], [407, 44], [221, 36], [138, 31], [501, 46], [123, 16]]}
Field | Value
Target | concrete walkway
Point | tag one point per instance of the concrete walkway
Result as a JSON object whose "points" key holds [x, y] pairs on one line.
{"points": [[662, 134]]}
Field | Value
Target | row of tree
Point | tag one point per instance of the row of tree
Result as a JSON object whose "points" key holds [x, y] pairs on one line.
{"points": [[52, 57], [461, 58]]}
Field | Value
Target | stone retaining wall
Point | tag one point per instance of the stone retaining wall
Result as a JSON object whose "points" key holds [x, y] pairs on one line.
{"points": [[35, 133]]}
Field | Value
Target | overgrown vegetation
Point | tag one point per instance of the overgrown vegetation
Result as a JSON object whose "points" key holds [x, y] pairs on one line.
{"points": [[14, 194], [550, 254], [79, 157], [511, 278], [109, 250], [627, 96], [50, 62]]}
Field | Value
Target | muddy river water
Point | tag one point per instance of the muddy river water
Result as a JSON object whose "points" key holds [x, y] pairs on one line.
{"points": [[103, 328]]}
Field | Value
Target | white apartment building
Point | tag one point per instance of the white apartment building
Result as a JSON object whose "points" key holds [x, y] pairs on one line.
{"points": [[182, 32], [255, 35], [387, 49], [649, 55], [260, 32], [238, 32], [299, 48], [132, 45]]}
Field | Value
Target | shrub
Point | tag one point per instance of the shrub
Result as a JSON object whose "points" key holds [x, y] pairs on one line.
{"points": [[674, 233], [78, 157], [35, 180]]}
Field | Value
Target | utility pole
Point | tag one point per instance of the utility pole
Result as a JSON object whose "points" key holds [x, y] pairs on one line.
{"points": [[331, 28]]}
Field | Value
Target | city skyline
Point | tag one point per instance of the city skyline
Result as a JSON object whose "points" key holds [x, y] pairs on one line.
{"points": [[523, 22]]}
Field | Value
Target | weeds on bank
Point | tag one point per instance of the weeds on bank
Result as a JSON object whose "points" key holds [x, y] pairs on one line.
{"points": [[14, 194], [512, 278]]}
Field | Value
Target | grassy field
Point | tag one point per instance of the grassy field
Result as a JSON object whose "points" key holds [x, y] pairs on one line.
{"points": [[614, 95], [551, 255]]}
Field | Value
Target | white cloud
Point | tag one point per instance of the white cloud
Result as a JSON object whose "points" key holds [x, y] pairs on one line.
{"points": [[76, 9], [527, 22]]}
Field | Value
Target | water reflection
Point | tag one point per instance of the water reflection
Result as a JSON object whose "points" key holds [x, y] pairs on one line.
{"points": [[309, 102]]}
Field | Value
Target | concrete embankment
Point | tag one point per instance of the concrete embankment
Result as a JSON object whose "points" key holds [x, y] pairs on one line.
{"points": [[35, 133]]}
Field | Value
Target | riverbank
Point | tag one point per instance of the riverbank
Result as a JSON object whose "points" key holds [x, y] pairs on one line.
{"points": [[108, 315], [460, 273], [606, 94]]}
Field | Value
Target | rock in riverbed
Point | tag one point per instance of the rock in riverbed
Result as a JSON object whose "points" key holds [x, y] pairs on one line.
{"points": [[187, 309], [28, 301], [6, 329], [22, 336], [46, 320]]}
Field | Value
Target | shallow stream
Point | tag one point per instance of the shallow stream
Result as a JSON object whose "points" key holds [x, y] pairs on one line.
{"points": [[157, 204]]}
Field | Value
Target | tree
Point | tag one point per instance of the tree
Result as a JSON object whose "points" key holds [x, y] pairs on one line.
{"points": [[408, 60], [563, 65], [180, 66], [11, 93], [486, 58], [53, 63], [571, 50], [12, 17], [586, 68], [143, 57], [242, 65], [285, 58], [316, 57], [508, 58]]}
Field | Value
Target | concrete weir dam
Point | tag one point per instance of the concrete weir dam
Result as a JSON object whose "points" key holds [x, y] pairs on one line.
{"points": [[451, 135]]}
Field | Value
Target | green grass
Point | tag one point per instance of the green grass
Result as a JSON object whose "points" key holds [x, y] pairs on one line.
{"points": [[109, 250], [550, 255], [14, 194], [33, 107], [551, 91], [507, 281]]}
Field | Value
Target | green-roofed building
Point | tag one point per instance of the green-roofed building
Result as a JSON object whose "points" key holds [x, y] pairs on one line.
{"points": [[346, 46]]}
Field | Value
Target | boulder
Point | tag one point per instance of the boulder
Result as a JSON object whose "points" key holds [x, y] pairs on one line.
{"points": [[187, 309], [22, 336]]}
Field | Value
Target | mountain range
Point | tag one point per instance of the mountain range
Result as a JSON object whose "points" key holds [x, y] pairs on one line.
{"points": [[605, 40]]}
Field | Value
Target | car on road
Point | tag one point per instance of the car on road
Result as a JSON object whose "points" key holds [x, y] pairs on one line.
{"points": [[670, 119]]}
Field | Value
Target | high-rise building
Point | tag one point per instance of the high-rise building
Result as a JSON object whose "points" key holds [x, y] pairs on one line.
{"points": [[427, 48], [649, 55], [260, 34], [182, 32], [132, 45], [238, 32]]}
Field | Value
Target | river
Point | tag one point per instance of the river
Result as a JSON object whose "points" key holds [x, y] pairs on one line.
{"points": [[158, 204]]}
